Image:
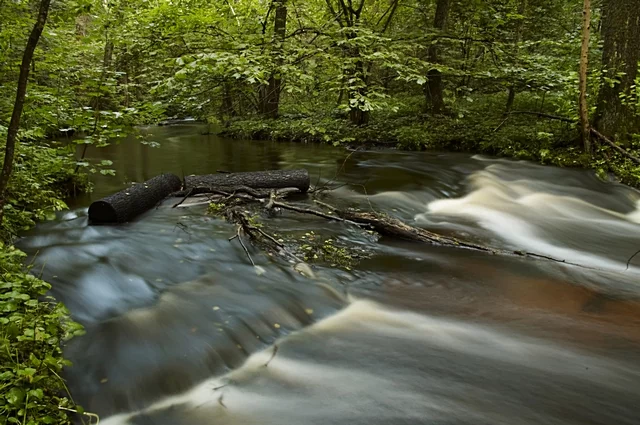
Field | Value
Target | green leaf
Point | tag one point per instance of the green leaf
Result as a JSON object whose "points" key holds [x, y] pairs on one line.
{"points": [[15, 396], [36, 393], [29, 371]]}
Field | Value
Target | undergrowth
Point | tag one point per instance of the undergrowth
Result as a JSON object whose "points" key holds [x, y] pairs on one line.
{"points": [[33, 326], [476, 127]]}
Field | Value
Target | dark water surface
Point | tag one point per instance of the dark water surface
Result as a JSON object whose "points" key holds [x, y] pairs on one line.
{"points": [[181, 329]]}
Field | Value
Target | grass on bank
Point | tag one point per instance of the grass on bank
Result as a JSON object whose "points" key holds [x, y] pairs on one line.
{"points": [[479, 126]]}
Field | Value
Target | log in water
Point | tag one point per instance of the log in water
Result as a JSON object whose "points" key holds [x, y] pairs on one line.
{"points": [[274, 179], [139, 198], [129, 203]]}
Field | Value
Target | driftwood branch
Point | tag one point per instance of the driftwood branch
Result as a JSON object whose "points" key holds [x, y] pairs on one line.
{"points": [[235, 215], [392, 227], [389, 226], [609, 142], [189, 193], [543, 115], [239, 237], [328, 216]]}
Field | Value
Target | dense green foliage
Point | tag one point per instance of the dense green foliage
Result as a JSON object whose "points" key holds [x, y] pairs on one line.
{"points": [[105, 65], [344, 72], [33, 328], [495, 76], [32, 325]]}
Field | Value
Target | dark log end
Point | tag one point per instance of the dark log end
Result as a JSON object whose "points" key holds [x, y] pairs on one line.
{"points": [[129, 203], [102, 212]]}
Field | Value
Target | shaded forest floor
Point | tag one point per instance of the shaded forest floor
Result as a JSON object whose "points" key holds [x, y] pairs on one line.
{"points": [[475, 127]]}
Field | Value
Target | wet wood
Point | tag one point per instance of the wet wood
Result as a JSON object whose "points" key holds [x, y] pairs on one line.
{"points": [[273, 179], [129, 203], [389, 226]]}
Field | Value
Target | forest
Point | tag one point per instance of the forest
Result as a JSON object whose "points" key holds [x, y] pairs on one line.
{"points": [[550, 81]]}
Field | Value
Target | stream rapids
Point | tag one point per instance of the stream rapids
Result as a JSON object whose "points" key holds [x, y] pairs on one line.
{"points": [[181, 329]]}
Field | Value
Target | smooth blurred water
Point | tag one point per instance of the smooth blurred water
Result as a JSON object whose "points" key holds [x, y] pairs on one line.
{"points": [[181, 329]]}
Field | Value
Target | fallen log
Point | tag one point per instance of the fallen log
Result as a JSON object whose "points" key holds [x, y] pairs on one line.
{"points": [[127, 204], [275, 179]]}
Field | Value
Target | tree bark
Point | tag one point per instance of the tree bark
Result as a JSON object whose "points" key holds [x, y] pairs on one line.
{"points": [[108, 54], [127, 204], [18, 106], [615, 116], [585, 134], [434, 89], [276, 179], [270, 93]]}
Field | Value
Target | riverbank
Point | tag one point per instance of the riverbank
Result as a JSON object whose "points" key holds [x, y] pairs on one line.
{"points": [[34, 326], [481, 129]]}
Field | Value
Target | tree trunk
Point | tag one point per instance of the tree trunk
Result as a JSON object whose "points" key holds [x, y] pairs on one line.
{"points": [[584, 65], [108, 54], [434, 89], [23, 80], [270, 94], [227, 108], [615, 117], [522, 8]]}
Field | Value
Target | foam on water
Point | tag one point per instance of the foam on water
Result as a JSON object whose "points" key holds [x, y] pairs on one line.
{"points": [[412, 378], [545, 218]]}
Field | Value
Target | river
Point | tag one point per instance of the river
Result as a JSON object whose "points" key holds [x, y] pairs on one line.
{"points": [[181, 329]]}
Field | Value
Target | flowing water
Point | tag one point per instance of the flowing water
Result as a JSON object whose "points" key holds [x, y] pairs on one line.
{"points": [[181, 329]]}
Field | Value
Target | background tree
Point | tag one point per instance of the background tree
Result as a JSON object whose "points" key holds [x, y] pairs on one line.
{"points": [[270, 92], [16, 116], [617, 115], [435, 88], [584, 65]]}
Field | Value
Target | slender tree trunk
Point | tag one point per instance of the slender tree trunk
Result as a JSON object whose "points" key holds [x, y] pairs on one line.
{"points": [[227, 108], [522, 8], [615, 116], [270, 94], [434, 89], [357, 115], [108, 54], [23, 80], [584, 65]]}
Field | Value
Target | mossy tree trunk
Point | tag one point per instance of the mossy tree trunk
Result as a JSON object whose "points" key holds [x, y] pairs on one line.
{"points": [[615, 116]]}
